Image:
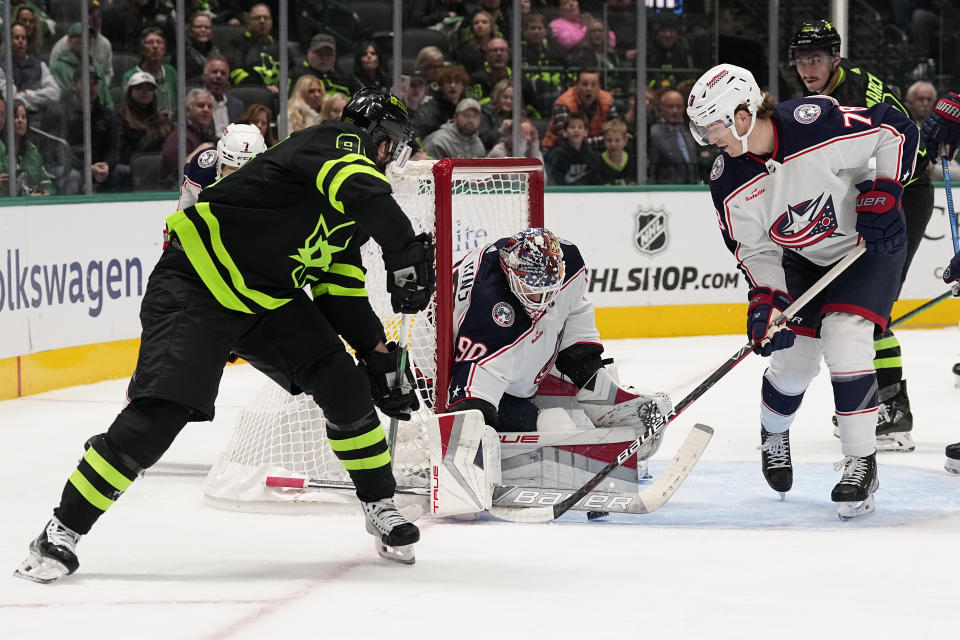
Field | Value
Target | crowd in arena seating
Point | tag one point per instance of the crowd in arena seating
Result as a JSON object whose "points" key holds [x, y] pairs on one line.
{"points": [[578, 85]]}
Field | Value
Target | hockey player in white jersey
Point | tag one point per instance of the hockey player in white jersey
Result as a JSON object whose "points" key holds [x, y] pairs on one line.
{"points": [[794, 193], [238, 143], [520, 309]]}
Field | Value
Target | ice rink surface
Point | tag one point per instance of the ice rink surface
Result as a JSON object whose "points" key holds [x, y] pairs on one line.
{"points": [[723, 559]]}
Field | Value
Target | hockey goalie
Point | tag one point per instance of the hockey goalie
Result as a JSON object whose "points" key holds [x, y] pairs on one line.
{"points": [[535, 408]]}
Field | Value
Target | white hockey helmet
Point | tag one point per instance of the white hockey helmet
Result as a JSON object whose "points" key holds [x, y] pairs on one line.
{"points": [[238, 143], [715, 98], [533, 262]]}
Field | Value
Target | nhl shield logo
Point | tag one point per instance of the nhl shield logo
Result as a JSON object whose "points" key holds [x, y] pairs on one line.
{"points": [[651, 235]]}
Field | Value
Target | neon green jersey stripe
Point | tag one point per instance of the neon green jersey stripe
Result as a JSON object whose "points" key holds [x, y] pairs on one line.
{"points": [[88, 491], [262, 299], [365, 464], [337, 290], [180, 224], [886, 343], [330, 164], [106, 470], [367, 439], [348, 270], [888, 363], [343, 174]]}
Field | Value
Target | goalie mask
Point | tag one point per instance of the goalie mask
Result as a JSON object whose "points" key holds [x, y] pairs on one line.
{"points": [[383, 117], [238, 144], [716, 98], [533, 263]]}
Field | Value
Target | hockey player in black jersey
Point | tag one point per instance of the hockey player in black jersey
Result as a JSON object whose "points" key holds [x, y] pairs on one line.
{"points": [[815, 54], [231, 279]]}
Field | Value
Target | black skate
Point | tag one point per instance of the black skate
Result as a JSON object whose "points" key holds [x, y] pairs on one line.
{"points": [[894, 419], [855, 490], [953, 458], [52, 555], [956, 372], [395, 534], [775, 460]]}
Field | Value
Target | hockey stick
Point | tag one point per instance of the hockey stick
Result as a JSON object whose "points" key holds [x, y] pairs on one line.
{"points": [[945, 163], [926, 305], [344, 485], [402, 341], [543, 514]]}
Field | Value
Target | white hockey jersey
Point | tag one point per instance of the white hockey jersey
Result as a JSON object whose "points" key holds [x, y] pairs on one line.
{"points": [[497, 348], [802, 198]]}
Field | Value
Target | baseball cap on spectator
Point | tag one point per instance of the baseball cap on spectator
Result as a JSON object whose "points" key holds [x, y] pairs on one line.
{"points": [[322, 40], [467, 103], [75, 29], [140, 77]]}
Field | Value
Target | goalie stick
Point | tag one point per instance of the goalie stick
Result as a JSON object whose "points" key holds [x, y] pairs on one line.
{"points": [[543, 514], [402, 341], [346, 485]]}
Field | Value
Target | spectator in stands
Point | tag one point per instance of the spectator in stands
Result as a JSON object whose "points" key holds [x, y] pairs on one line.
{"points": [[469, 49], [570, 161], [25, 15], [33, 179], [496, 113], [369, 69], [261, 116], [615, 166], [333, 107], [674, 155], [256, 56], [153, 49], [529, 143], [595, 49], [430, 13], [496, 67], [199, 116], [541, 52], [216, 80], [458, 138], [428, 62], [100, 48], [667, 50], [65, 120], [501, 20], [585, 97], [413, 89], [198, 45], [305, 103], [570, 26], [920, 98], [443, 101], [64, 67], [321, 63], [125, 20], [143, 128], [36, 87]]}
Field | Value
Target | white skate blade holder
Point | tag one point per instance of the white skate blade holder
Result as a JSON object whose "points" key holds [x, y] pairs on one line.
{"points": [[37, 568], [851, 510], [952, 466], [404, 554]]}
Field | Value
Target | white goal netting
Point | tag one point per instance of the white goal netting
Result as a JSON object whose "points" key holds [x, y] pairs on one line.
{"points": [[465, 204]]}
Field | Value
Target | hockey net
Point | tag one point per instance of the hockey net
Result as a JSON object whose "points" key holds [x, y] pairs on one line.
{"points": [[465, 204]]}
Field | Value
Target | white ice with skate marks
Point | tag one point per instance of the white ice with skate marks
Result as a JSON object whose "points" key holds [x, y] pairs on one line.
{"points": [[710, 563]]}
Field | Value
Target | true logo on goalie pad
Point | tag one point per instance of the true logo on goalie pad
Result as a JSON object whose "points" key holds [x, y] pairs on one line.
{"points": [[651, 235]]}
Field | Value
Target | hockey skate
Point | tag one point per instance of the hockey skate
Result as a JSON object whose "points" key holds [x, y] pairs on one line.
{"points": [[394, 531], [854, 492], [956, 374], [775, 461], [894, 420], [52, 555], [953, 458]]}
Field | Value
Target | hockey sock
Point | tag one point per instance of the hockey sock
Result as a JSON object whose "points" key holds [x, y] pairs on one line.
{"points": [[777, 408], [855, 398], [887, 359], [366, 457]]}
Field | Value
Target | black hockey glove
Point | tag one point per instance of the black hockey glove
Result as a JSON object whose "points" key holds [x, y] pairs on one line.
{"points": [[385, 387], [951, 274], [410, 275], [764, 306], [879, 218], [940, 133]]}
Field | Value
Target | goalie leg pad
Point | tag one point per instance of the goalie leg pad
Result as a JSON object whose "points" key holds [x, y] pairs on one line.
{"points": [[465, 463]]}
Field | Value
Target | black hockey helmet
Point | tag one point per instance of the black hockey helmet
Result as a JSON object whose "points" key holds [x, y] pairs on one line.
{"points": [[383, 117], [819, 35]]}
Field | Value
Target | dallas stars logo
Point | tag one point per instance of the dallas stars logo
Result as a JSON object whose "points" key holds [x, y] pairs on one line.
{"points": [[806, 223]]}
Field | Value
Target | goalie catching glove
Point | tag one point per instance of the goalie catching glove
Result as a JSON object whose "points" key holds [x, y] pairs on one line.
{"points": [[410, 275], [608, 404], [386, 387]]}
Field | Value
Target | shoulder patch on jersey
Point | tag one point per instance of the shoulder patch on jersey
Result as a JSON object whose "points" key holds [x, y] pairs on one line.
{"points": [[807, 113], [207, 158], [503, 314], [717, 169]]}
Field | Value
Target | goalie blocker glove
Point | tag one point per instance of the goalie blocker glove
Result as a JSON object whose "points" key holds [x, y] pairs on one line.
{"points": [[763, 303], [410, 275], [941, 129], [389, 393], [879, 218]]}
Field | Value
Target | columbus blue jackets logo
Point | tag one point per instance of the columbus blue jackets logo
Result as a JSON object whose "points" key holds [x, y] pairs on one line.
{"points": [[207, 158], [806, 113], [503, 314], [806, 223], [651, 235], [717, 169]]}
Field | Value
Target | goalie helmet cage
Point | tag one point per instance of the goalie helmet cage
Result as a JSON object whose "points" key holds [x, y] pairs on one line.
{"points": [[465, 203]]}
